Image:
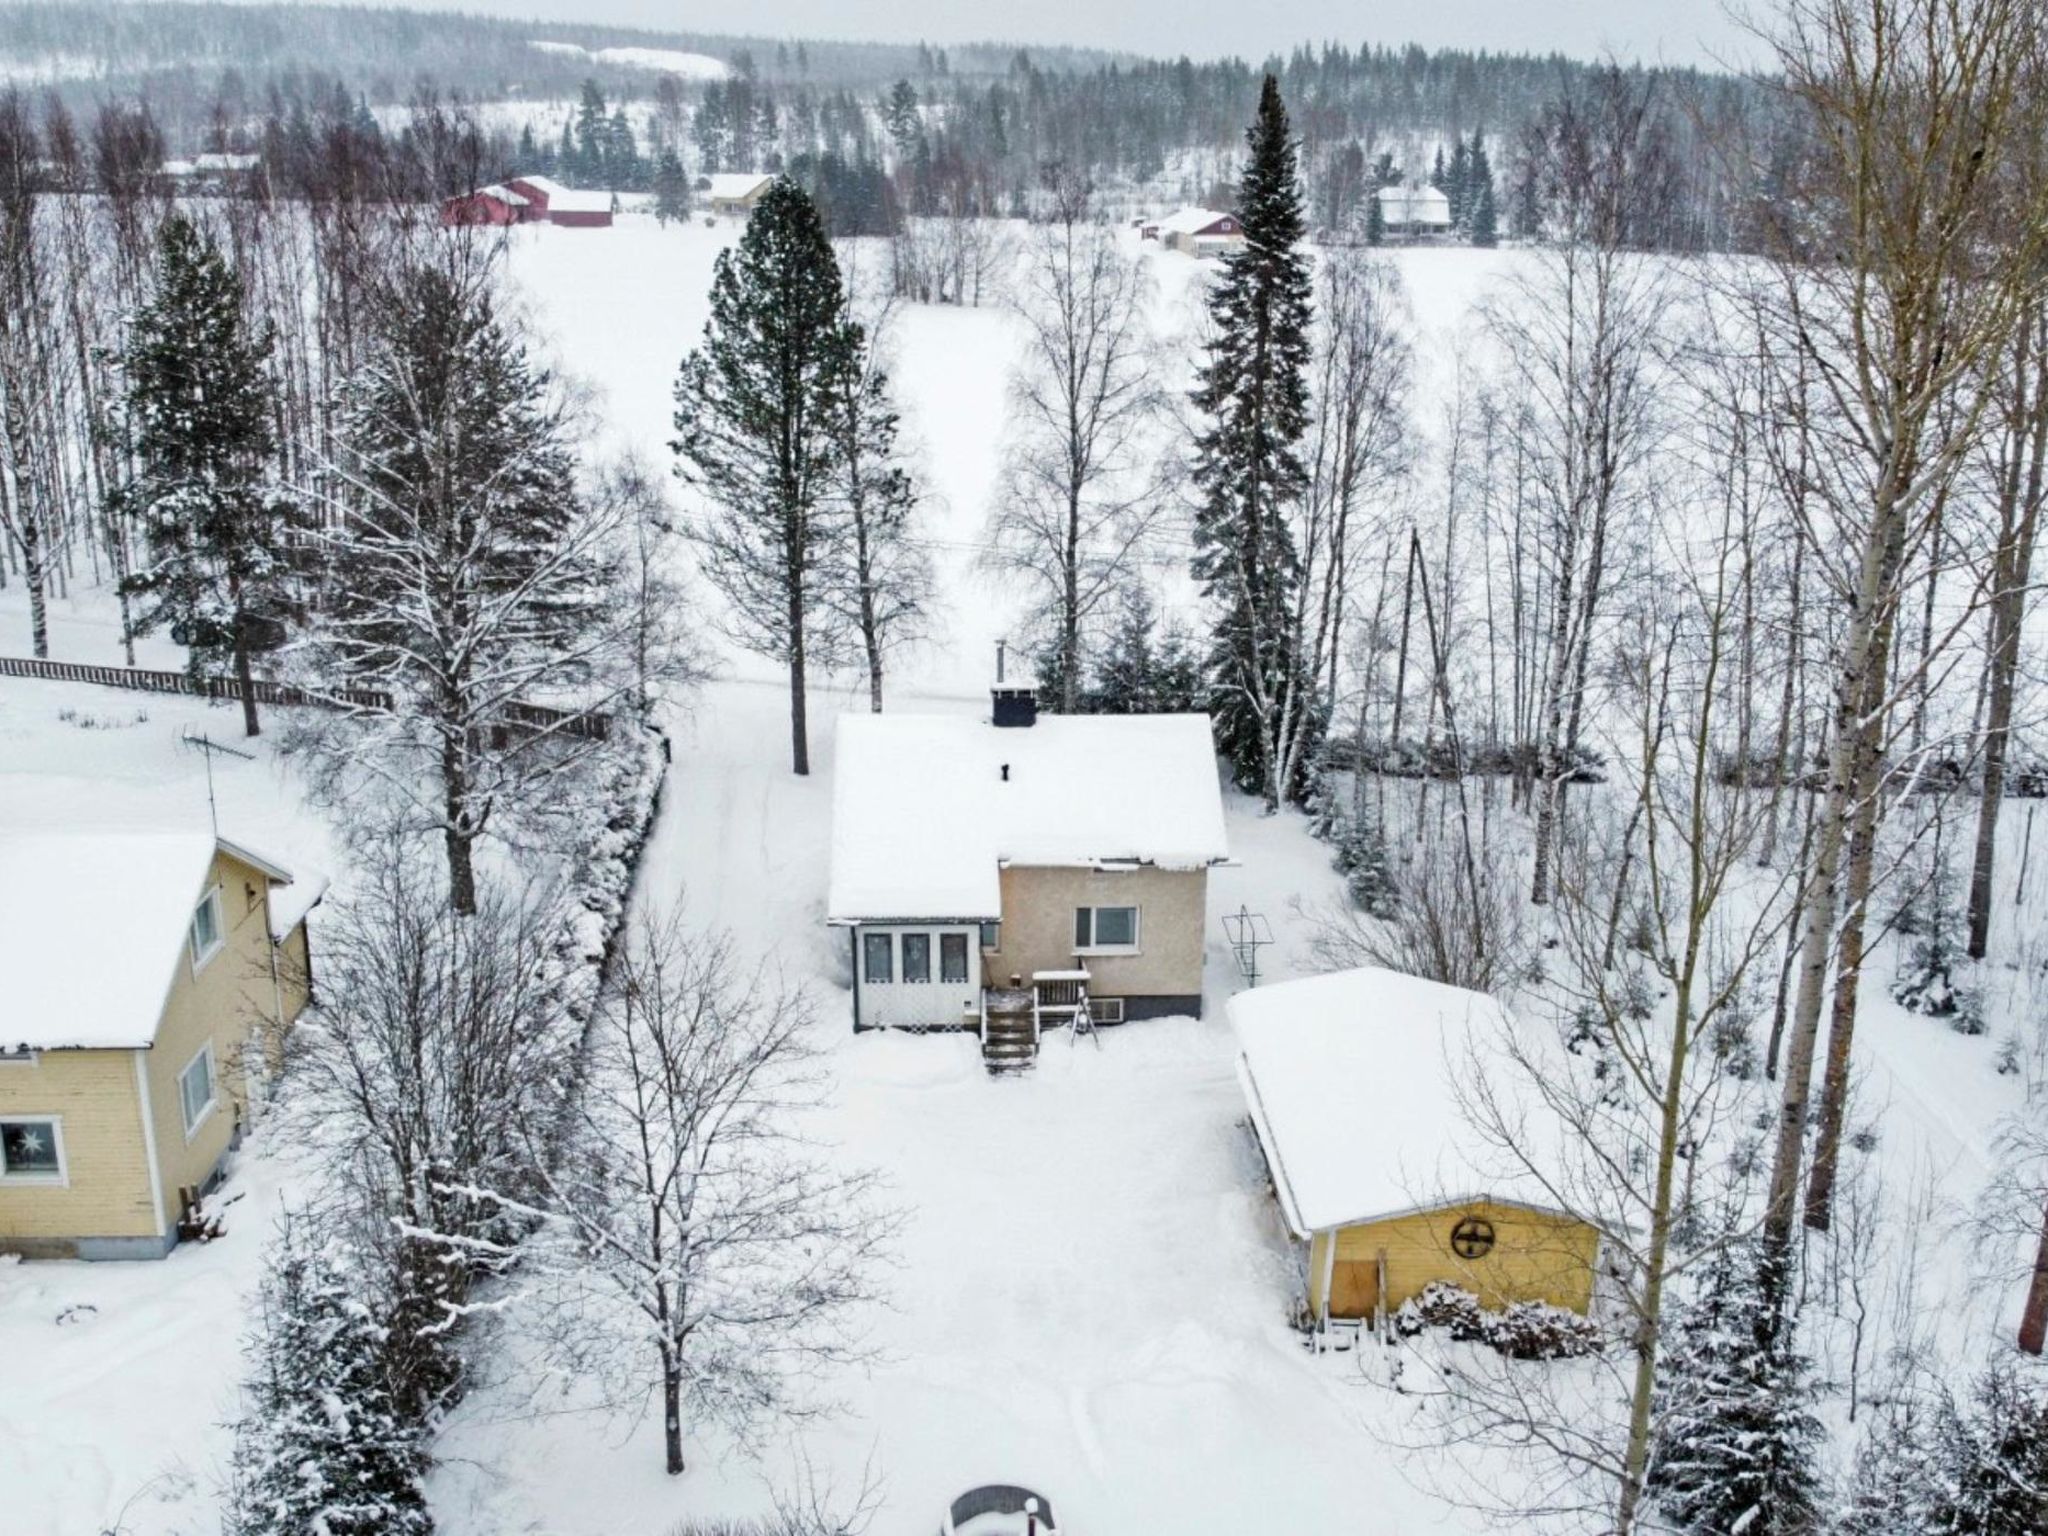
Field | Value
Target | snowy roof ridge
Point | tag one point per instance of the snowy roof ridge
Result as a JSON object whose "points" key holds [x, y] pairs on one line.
{"points": [[1188, 219], [926, 809], [92, 928]]}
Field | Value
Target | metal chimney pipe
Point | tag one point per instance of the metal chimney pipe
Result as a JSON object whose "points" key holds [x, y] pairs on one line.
{"points": [[999, 660]]}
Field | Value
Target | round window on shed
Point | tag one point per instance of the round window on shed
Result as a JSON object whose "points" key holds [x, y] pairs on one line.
{"points": [[1472, 1237]]}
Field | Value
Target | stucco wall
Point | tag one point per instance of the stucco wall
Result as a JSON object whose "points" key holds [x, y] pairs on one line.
{"points": [[107, 1189], [1537, 1256], [1038, 928]]}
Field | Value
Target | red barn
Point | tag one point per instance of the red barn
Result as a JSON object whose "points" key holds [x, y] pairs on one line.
{"points": [[487, 205], [553, 203]]}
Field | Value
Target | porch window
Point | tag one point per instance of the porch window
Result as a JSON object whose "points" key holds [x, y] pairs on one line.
{"points": [[1098, 928], [878, 957], [917, 957], [953, 958], [992, 936], [195, 1089], [32, 1150], [206, 926]]}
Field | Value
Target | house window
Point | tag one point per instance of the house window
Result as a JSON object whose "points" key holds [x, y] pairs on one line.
{"points": [[206, 929], [878, 957], [195, 1089], [953, 958], [1100, 928], [991, 935], [32, 1150], [917, 957]]}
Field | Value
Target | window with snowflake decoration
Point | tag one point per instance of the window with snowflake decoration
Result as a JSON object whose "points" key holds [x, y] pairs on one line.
{"points": [[31, 1149]]}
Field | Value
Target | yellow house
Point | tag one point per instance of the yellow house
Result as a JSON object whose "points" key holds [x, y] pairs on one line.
{"points": [[734, 194], [1352, 1080], [150, 977]]}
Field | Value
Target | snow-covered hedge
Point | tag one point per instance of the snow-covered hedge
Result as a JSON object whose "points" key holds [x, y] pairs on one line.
{"points": [[1527, 1330]]}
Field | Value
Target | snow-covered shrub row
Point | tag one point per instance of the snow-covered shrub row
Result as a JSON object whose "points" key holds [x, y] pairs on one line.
{"points": [[1526, 1330]]}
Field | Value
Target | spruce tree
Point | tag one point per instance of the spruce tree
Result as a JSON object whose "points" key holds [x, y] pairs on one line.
{"points": [[1738, 1442], [1375, 219], [1253, 390], [671, 188], [199, 423], [754, 432], [1456, 183], [321, 1445], [593, 134], [1485, 230]]}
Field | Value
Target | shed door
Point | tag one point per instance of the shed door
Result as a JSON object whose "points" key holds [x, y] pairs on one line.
{"points": [[1354, 1287]]}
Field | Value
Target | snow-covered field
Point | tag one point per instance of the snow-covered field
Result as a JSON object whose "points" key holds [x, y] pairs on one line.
{"points": [[1090, 1290]]}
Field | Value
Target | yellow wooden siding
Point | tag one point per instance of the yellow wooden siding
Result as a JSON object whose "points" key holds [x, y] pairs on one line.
{"points": [[229, 1001], [1537, 1256], [294, 973], [107, 1192], [1038, 928]]}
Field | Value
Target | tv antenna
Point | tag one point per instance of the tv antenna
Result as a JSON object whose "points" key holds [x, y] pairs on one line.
{"points": [[206, 746], [1249, 932]]}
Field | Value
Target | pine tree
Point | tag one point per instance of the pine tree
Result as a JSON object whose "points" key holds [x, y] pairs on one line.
{"points": [[671, 189], [1456, 182], [199, 423], [1143, 671], [622, 154], [1738, 1442], [754, 431], [1248, 471], [471, 572], [1934, 1464], [593, 131], [900, 116], [321, 1445], [1485, 231], [1375, 219]]}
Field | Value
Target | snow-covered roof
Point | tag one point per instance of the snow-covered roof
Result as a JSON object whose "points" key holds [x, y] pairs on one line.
{"points": [[92, 929], [503, 194], [211, 163], [289, 904], [1352, 1082], [561, 199], [1190, 220], [923, 818], [735, 185], [1415, 205]]}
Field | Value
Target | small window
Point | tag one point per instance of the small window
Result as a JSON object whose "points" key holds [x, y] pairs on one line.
{"points": [[878, 957], [32, 1150], [206, 927], [1105, 928], [992, 936], [917, 957], [195, 1088], [953, 958]]}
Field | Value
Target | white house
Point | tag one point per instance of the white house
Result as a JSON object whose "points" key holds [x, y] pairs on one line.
{"points": [[1414, 212], [1026, 852], [733, 194]]}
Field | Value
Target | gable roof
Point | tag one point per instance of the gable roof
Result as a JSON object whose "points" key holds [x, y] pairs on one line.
{"points": [[735, 184], [498, 191], [1193, 221], [923, 819], [561, 199], [93, 927], [1352, 1083], [1415, 205]]}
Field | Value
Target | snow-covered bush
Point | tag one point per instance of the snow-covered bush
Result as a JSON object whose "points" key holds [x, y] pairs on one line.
{"points": [[1526, 1330], [1976, 1467], [322, 1444], [1926, 980]]}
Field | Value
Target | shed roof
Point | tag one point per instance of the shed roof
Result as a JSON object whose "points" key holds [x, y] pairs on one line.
{"points": [[1192, 221], [92, 929], [923, 818], [561, 199], [1351, 1078], [501, 193]]}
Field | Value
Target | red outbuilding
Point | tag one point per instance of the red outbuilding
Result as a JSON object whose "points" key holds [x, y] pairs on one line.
{"points": [[487, 205], [553, 203]]}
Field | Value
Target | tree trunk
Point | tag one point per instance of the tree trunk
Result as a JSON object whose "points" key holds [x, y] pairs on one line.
{"points": [[33, 574], [456, 833], [243, 674], [799, 731], [672, 1409], [1834, 1098], [2034, 1321]]}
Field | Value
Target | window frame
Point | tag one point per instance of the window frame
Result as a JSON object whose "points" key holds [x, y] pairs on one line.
{"points": [[200, 959], [868, 936], [61, 1178], [991, 936], [1091, 946], [924, 941], [194, 1123], [959, 939]]}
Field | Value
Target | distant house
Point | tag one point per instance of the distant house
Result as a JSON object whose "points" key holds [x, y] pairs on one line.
{"points": [[1059, 858], [214, 169], [1414, 213], [149, 977], [733, 194], [1352, 1084], [494, 205], [553, 203], [1196, 232]]}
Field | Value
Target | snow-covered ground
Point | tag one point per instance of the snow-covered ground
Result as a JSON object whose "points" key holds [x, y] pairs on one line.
{"points": [[1090, 1291]]}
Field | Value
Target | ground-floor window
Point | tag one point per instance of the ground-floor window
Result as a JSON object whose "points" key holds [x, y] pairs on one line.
{"points": [[953, 957], [32, 1149], [1105, 928], [878, 957], [917, 957]]}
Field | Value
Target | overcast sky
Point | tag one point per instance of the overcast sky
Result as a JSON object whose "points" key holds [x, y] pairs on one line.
{"points": [[1668, 31]]}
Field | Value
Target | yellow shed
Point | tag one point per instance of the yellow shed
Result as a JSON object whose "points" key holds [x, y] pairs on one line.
{"points": [[1351, 1080], [149, 979]]}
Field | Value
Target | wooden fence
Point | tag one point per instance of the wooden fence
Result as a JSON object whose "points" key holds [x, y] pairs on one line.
{"points": [[591, 725]]}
